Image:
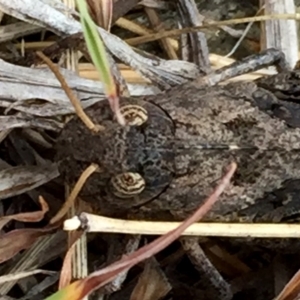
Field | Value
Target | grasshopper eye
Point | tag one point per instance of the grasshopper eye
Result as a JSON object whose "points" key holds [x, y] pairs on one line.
{"points": [[134, 115], [127, 184]]}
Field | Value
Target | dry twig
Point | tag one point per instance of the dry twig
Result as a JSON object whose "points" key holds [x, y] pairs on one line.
{"points": [[97, 223]]}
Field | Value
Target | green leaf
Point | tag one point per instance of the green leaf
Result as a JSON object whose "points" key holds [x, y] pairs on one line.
{"points": [[99, 57]]}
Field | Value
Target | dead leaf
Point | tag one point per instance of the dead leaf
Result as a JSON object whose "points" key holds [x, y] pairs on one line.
{"points": [[101, 12], [34, 216], [16, 240]]}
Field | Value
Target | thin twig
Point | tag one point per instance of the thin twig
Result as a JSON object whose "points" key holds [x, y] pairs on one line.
{"points": [[217, 286], [175, 32], [73, 99], [243, 35]]}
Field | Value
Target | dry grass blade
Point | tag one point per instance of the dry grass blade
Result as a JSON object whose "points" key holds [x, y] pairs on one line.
{"points": [[73, 99], [141, 30], [159, 26], [249, 25], [175, 32], [101, 12], [16, 240], [88, 71], [35, 216], [78, 186], [40, 252], [20, 275], [66, 270]]}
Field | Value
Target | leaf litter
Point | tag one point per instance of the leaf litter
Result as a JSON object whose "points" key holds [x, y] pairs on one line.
{"points": [[35, 216], [35, 92]]}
